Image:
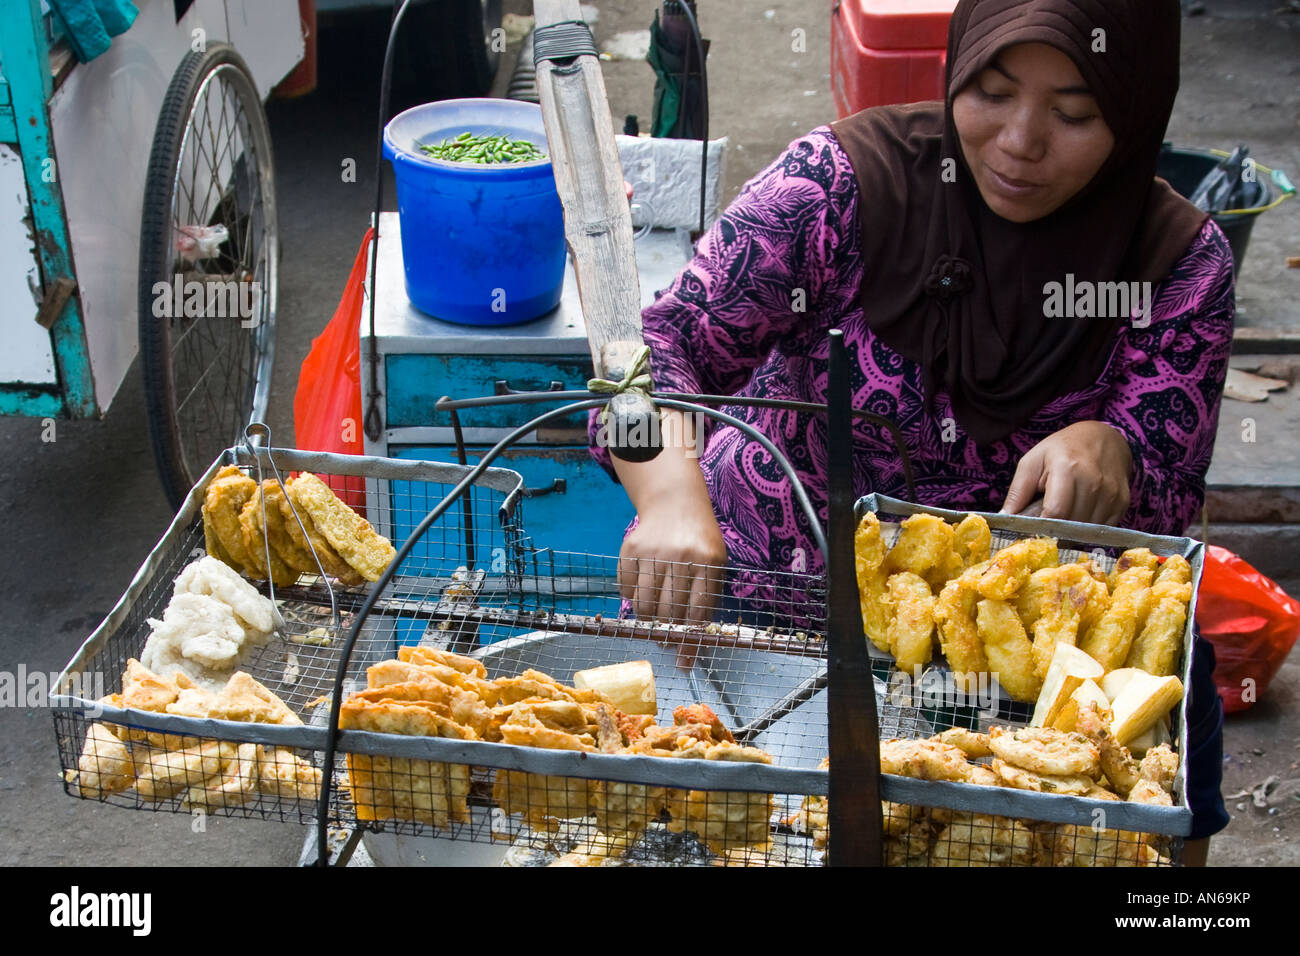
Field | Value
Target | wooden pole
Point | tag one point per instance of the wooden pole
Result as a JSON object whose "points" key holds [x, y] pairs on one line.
{"points": [[597, 226]]}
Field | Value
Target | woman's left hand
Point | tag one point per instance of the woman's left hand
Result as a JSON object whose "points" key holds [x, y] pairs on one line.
{"points": [[1082, 472]]}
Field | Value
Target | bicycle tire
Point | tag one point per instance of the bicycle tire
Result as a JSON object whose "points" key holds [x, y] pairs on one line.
{"points": [[193, 416]]}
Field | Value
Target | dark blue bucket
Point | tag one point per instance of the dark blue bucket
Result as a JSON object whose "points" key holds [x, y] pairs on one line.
{"points": [[482, 245]]}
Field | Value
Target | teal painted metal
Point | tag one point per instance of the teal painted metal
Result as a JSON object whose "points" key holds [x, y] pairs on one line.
{"points": [[561, 522], [417, 381], [588, 517], [30, 403], [27, 71]]}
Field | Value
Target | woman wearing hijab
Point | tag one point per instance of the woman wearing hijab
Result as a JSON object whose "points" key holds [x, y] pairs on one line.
{"points": [[972, 252]]}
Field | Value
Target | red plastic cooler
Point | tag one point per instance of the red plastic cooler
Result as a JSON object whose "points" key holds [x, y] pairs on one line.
{"points": [[887, 51]]}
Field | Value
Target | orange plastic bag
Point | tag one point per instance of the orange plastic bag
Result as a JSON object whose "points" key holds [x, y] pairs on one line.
{"points": [[327, 405], [1252, 623]]}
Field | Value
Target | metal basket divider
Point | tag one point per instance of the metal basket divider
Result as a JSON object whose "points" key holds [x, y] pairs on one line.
{"points": [[854, 813], [252, 449], [591, 401]]}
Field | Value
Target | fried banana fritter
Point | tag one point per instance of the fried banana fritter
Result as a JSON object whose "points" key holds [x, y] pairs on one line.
{"points": [[1010, 654]]}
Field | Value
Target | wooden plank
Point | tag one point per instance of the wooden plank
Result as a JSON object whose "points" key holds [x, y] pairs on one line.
{"points": [[597, 226]]}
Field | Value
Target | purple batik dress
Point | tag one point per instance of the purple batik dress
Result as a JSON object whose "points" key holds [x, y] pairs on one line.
{"points": [[749, 316]]}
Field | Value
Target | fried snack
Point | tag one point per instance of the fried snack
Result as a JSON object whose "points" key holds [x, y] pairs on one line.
{"points": [[869, 560], [1010, 655], [419, 654], [193, 702], [911, 630], [1160, 766], [142, 689], [959, 639], [1098, 792], [1011, 567], [167, 773], [908, 833], [1075, 785], [258, 546], [284, 544], [247, 700], [1150, 792], [973, 745], [542, 799], [972, 540], [1088, 846], [1109, 640], [609, 738], [105, 766], [302, 529], [564, 715], [626, 808], [209, 576], [1093, 568], [723, 820], [1158, 647], [225, 498], [1046, 751], [1132, 558], [1117, 763], [924, 545], [453, 703], [351, 535], [233, 787], [976, 839], [1058, 624], [924, 760], [1046, 586], [282, 773], [403, 788], [812, 816], [703, 714]]}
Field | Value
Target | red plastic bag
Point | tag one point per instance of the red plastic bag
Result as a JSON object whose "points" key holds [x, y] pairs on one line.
{"points": [[1252, 623], [327, 405]]}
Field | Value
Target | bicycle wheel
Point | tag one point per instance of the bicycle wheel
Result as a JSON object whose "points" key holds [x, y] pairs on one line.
{"points": [[208, 257]]}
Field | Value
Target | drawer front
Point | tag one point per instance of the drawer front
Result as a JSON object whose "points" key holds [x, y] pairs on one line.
{"points": [[416, 382], [589, 515]]}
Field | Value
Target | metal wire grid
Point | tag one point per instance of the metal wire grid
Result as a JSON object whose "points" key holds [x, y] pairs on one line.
{"points": [[145, 769], [299, 663]]}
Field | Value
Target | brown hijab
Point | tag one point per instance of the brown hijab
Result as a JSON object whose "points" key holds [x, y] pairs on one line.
{"points": [[958, 289]]}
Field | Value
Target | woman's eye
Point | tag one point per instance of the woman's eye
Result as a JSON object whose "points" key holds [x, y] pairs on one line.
{"points": [[1073, 120], [989, 96]]}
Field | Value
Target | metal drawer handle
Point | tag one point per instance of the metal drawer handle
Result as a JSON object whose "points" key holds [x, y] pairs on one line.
{"points": [[502, 387], [557, 487]]}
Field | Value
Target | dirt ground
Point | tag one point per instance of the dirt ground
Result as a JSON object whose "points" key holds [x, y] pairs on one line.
{"points": [[80, 514]]}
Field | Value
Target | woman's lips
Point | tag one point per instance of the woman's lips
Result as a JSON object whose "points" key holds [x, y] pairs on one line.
{"points": [[1013, 188]]}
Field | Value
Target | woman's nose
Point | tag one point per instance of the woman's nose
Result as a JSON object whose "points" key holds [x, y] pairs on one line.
{"points": [[1022, 136]]}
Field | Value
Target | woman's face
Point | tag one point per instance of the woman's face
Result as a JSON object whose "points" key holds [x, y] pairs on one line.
{"points": [[1030, 131]]}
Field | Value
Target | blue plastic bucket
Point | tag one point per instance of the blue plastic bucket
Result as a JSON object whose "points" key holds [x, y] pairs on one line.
{"points": [[482, 245]]}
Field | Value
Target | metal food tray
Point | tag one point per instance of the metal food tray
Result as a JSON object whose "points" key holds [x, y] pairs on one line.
{"points": [[391, 490], [1073, 537]]}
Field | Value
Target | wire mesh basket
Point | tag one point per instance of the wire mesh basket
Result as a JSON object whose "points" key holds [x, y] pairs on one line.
{"points": [[493, 740], [168, 761]]}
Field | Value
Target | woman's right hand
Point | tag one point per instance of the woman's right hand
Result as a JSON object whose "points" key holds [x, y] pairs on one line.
{"points": [[668, 565]]}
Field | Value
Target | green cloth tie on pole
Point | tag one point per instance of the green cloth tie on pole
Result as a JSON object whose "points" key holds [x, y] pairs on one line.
{"points": [[636, 376]]}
